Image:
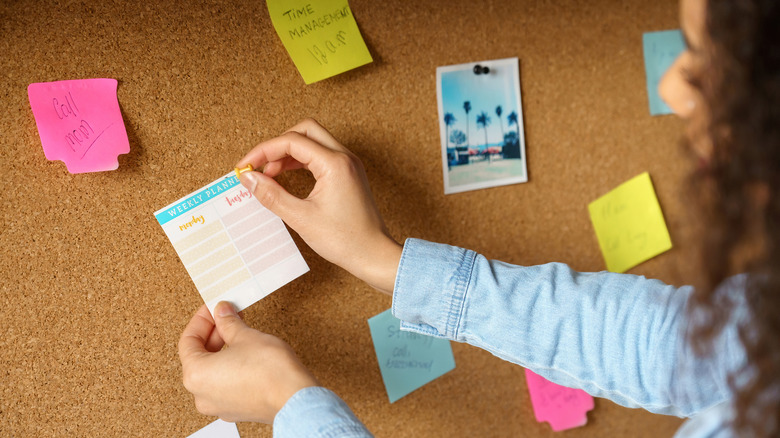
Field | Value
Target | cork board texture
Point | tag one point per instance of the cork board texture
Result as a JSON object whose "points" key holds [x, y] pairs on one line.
{"points": [[93, 297]]}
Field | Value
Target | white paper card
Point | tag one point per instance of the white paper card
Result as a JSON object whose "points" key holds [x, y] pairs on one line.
{"points": [[217, 429], [234, 249]]}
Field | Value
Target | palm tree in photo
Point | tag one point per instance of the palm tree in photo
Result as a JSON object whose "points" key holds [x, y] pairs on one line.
{"points": [[467, 108], [457, 137], [449, 119], [500, 111], [512, 118], [483, 121]]}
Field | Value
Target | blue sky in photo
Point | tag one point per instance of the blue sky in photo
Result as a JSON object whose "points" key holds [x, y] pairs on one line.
{"points": [[485, 93]]}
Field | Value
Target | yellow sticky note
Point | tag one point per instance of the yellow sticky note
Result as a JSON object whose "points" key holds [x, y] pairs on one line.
{"points": [[629, 224], [321, 36]]}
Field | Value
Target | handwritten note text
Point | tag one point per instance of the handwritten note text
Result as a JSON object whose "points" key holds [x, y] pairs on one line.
{"points": [[629, 224], [321, 36], [80, 123]]}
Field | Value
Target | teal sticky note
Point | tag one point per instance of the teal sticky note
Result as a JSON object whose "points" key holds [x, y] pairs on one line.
{"points": [[661, 50], [407, 360]]}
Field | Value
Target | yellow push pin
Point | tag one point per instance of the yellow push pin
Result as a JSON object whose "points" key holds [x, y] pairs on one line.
{"points": [[248, 168]]}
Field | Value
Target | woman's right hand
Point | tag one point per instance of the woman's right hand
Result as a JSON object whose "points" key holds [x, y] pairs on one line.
{"points": [[338, 219]]}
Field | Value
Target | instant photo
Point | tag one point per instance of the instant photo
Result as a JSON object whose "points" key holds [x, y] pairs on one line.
{"points": [[481, 125]]}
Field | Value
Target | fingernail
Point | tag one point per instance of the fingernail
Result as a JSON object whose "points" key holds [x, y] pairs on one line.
{"points": [[225, 309], [249, 180]]}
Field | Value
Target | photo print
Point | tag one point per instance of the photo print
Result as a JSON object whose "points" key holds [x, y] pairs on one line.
{"points": [[481, 125]]}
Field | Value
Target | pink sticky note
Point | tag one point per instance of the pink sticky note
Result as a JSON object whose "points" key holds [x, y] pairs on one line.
{"points": [[80, 123], [564, 408]]}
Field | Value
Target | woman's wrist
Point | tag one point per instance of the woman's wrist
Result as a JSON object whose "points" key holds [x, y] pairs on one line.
{"points": [[380, 270], [287, 393]]}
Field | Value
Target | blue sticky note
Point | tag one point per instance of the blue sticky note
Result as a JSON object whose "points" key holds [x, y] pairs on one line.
{"points": [[661, 50], [407, 360]]}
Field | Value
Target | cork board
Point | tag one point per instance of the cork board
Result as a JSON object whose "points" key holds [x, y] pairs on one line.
{"points": [[93, 297]]}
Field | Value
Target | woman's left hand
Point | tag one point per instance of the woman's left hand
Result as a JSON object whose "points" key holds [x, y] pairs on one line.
{"points": [[251, 380]]}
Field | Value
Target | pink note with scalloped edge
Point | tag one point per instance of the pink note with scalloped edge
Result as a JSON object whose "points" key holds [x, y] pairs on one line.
{"points": [[564, 408], [80, 123]]}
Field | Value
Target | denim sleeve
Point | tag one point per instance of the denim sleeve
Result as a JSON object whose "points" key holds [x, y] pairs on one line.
{"points": [[616, 336], [317, 412]]}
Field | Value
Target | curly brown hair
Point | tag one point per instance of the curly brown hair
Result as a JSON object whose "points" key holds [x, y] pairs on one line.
{"points": [[740, 189]]}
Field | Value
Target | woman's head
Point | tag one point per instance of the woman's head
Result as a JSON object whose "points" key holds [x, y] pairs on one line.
{"points": [[727, 87]]}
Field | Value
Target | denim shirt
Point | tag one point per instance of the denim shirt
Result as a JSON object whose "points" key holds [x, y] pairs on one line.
{"points": [[616, 336]]}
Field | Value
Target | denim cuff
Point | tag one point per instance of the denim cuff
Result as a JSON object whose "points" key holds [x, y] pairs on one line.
{"points": [[318, 413], [430, 287]]}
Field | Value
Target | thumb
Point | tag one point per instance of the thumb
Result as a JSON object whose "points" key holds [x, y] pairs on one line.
{"points": [[273, 196], [229, 324]]}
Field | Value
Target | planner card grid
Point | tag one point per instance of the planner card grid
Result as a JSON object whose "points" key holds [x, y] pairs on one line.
{"points": [[230, 241], [235, 247]]}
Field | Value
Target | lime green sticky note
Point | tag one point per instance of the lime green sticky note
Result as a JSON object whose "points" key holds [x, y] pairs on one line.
{"points": [[629, 224], [321, 36]]}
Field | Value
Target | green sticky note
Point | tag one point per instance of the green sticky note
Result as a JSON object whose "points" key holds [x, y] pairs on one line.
{"points": [[629, 224], [407, 360], [321, 36]]}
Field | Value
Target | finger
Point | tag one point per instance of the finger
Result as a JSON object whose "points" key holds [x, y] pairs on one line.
{"points": [[312, 129], [311, 154], [274, 197], [196, 334], [229, 324], [215, 342], [275, 168]]}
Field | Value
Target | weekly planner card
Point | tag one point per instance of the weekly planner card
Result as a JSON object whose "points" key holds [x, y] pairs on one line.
{"points": [[234, 249], [407, 360]]}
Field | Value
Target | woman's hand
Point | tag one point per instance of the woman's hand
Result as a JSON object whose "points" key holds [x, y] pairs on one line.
{"points": [[249, 381], [338, 219]]}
